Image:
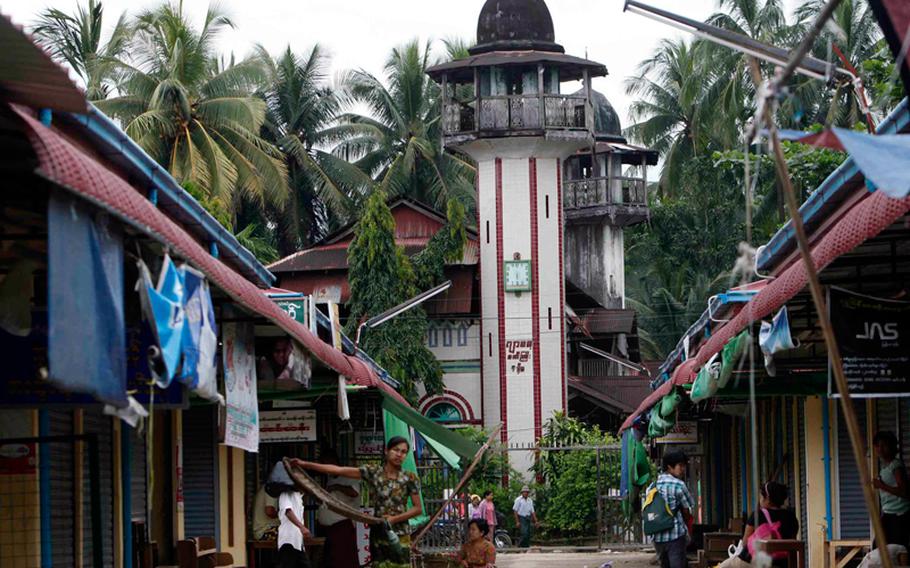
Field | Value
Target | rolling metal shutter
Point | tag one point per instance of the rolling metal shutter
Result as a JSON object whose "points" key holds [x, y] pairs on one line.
{"points": [[97, 423], [63, 493], [200, 472], [138, 477], [854, 518]]}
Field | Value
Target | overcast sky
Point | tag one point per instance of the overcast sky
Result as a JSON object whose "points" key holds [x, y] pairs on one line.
{"points": [[360, 33]]}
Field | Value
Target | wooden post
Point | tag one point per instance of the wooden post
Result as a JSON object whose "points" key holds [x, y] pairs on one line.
{"points": [[821, 309], [445, 102], [589, 107]]}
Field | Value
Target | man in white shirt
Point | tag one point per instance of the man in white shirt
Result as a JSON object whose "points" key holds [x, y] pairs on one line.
{"points": [[291, 531], [524, 516], [340, 533]]}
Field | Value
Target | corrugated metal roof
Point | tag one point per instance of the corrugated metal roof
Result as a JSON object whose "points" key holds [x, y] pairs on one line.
{"points": [[67, 166], [604, 320], [570, 66], [30, 77], [624, 393]]}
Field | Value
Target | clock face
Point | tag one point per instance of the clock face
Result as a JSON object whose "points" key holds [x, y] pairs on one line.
{"points": [[517, 275]]}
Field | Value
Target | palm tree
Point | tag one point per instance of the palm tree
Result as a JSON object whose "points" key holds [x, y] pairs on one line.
{"points": [[398, 143], [196, 116], [76, 40], [300, 108], [853, 29], [672, 111]]}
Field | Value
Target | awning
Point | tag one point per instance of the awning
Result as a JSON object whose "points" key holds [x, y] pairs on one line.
{"points": [[64, 164], [865, 220], [30, 77], [444, 442]]}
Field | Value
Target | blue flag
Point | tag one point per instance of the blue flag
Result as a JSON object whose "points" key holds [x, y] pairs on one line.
{"points": [[199, 341], [163, 307]]}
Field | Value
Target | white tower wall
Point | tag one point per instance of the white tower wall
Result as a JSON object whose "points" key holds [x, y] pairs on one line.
{"points": [[523, 357]]}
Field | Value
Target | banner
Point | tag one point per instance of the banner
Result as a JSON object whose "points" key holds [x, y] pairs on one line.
{"points": [[287, 426], [874, 339], [241, 425]]}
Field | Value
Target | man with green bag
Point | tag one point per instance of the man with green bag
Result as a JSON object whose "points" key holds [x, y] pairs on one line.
{"points": [[667, 511]]}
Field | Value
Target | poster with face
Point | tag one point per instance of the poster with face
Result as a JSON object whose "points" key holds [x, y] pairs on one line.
{"points": [[241, 426]]}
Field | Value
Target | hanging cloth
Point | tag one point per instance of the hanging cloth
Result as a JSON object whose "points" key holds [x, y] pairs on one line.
{"points": [[86, 325], [199, 340], [162, 307], [775, 337]]}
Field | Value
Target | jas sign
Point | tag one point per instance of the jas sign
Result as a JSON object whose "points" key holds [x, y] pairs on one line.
{"points": [[874, 339]]}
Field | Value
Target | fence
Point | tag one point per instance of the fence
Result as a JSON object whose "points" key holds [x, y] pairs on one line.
{"points": [[611, 525], [52, 508]]}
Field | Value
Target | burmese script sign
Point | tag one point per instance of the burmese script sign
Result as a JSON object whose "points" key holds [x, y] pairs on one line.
{"points": [[874, 339], [287, 426], [518, 354], [682, 433]]}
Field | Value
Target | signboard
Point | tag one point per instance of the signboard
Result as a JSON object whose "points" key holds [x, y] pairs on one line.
{"points": [[682, 433], [287, 426], [241, 425], [874, 339], [518, 354], [297, 309], [18, 459], [369, 443], [363, 539], [516, 275]]}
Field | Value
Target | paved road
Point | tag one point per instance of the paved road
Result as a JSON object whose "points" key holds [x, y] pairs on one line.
{"points": [[574, 560]]}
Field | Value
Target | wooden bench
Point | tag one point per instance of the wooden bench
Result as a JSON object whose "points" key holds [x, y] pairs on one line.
{"points": [[201, 552], [313, 546], [851, 549], [795, 549], [716, 548]]}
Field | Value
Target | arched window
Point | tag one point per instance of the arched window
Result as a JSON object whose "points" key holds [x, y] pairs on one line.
{"points": [[444, 412]]}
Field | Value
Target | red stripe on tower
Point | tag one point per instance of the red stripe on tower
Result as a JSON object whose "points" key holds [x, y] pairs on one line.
{"points": [[480, 244], [501, 302], [535, 296], [562, 286]]}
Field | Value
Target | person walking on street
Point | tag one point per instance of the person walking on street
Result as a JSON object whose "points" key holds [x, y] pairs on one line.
{"points": [[893, 489], [523, 509], [487, 511], [670, 544]]}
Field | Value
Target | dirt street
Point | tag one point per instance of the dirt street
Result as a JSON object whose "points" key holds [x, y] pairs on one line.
{"points": [[574, 560]]}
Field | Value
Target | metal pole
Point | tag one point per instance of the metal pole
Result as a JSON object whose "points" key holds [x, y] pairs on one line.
{"points": [[818, 295], [600, 517], [44, 486]]}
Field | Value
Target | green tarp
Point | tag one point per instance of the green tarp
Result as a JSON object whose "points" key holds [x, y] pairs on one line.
{"points": [[452, 447]]}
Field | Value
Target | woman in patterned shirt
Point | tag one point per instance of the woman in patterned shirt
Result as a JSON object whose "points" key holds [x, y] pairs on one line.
{"points": [[390, 487]]}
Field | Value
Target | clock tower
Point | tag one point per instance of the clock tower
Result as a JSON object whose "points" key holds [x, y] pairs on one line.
{"points": [[504, 107]]}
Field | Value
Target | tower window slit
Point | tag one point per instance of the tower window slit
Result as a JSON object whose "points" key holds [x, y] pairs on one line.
{"points": [[550, 318], [488, 232], [547, 205]]}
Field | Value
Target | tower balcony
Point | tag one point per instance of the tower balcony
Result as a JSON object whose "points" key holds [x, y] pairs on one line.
{"points": [[623, 199], [565, 116]]}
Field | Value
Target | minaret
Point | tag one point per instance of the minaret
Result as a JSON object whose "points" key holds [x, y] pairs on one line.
{"points": [[503, 107]]}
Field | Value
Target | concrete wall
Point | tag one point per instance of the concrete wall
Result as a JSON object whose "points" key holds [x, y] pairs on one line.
{"points": [[595, 261]]}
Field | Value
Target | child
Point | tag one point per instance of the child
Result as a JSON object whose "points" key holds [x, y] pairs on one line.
{"points": [[291, 531], [671, 544]]}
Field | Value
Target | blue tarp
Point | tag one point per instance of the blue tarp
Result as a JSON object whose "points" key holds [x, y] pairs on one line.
{"points": [[86, 327]]}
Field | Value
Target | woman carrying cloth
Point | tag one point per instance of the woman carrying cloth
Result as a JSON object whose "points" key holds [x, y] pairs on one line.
{"points": [[390, 487]]}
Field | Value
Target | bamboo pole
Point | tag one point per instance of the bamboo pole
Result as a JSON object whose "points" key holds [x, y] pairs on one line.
{"points": [[818, 296], [461, 483]]}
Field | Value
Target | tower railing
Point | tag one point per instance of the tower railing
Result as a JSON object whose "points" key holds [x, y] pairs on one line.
{"points": [[515, 113], [609, 190]]}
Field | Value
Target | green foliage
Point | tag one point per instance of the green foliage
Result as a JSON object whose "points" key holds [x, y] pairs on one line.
{"points": [[493, 469], [398, 142], [686, 252], [194, 115], [76, 39], [567, 502], [381, 277]]}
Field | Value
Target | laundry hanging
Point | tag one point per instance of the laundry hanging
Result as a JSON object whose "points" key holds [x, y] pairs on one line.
{"points": [[775, 337], [162, 307], [199, 340]]}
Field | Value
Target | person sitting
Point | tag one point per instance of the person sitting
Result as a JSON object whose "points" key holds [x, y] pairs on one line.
{"points": [[478, 551], [265, 516], [771, 510]]}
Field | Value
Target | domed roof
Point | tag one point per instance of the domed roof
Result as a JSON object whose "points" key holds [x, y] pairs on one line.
{"points": [[606, 120], [506, 25]]}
